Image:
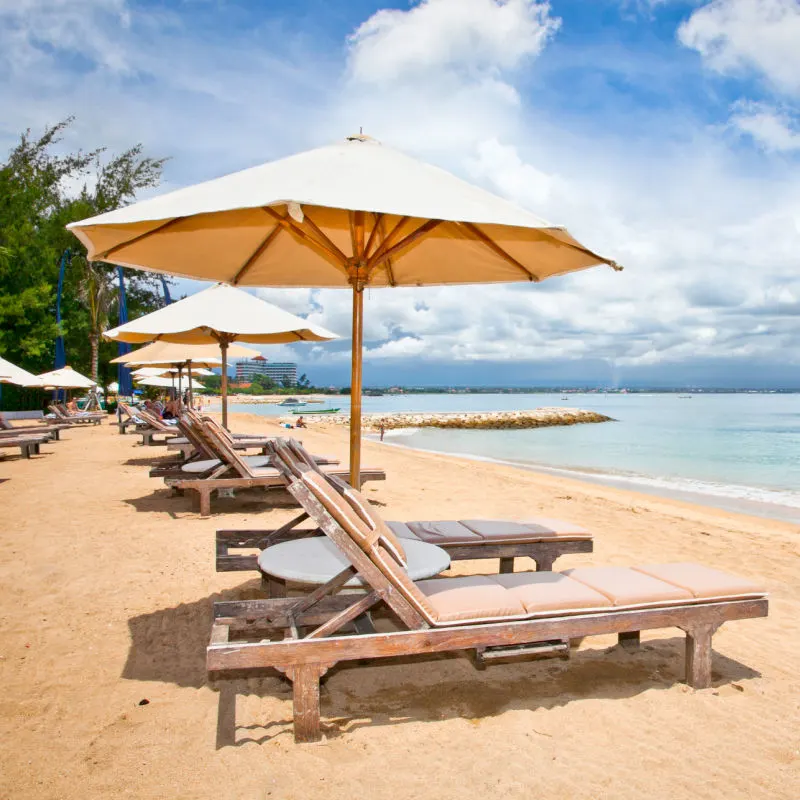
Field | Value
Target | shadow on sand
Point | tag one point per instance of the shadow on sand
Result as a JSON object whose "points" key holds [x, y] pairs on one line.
{"points": [[245, 501], [169, 645]]}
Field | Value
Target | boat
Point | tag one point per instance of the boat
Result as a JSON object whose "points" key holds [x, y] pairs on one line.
{"points": [[291, 401], [684, 397], [318, 411]]}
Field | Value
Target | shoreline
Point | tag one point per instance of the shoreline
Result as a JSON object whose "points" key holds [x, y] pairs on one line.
{"points": [[641, 484]]}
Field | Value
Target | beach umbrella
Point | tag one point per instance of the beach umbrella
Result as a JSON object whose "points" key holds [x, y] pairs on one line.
{"points": [[167, 354], [164, 383], [11, 373], [350, 215], [65, 378], [220, 315]]}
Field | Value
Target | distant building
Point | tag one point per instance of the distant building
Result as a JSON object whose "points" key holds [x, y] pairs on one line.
{"points": [[281, 372]]}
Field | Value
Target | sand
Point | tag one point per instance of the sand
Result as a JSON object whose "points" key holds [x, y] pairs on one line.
{"points": [[107, 584]]}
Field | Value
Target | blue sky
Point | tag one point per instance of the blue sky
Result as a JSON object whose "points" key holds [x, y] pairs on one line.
{"points": [[664, 134]]}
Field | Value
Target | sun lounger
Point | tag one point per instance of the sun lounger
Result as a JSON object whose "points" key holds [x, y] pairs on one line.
{"points": [[127, 418], [498, 616], [235, 473], [155, 427], [81, 418], [28, 445], [54, 430], [541, 539]]}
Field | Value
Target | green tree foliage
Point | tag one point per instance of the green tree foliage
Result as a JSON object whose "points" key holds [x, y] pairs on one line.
{"points": [[41, 191]]}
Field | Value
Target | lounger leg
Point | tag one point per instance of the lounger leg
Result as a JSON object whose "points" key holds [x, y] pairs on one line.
{"points": [[698, 656], [205, 502], [629, 640], [273, 587], [506, 565], [544, 563], [305, 682]]}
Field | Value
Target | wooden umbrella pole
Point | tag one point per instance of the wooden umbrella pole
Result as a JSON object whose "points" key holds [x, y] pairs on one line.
{"points": [[180, 385], [189, 370], [355, 387], [223, 346]]}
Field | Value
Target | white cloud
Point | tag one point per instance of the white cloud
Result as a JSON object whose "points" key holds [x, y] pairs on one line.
{"points": [[473, 36], [735, 35], [775, 130]]}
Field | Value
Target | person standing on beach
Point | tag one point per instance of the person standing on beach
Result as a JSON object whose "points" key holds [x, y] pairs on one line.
{"points": [[382, 428]]}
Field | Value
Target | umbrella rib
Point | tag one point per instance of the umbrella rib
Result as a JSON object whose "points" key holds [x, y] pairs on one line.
{"points": [[164, 225], [388, 263], [378, 224], [494, 247], [387, 240], [613, 264], [323, 236], [257, 253], [326, 247], [422, 230]]}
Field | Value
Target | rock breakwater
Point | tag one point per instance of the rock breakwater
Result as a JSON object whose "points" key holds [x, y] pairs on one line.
{"points": [[487, 420]]}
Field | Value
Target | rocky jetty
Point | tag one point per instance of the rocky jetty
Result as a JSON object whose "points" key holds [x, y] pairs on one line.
{"points": [[487, 420]]}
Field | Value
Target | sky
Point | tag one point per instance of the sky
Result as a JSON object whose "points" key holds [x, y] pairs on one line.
{"points": [[664, 134]]}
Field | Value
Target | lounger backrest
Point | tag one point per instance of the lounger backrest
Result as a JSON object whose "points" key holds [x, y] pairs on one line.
{"points": [[370, 541], [226, 453]]}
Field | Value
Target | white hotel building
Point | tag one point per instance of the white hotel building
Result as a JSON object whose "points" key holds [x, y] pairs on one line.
{"points": [[279, 371]]}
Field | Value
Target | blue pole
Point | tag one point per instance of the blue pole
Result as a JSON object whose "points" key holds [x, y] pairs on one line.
{"points": [[61, 353], [167, 298], [123, 373]]}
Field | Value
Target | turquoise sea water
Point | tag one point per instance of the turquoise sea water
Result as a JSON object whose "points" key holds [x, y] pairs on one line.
{"points": [[735, 451]]}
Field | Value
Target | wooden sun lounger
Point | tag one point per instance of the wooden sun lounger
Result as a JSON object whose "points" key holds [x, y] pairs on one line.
{"points": [[54, 430], [235, 473], [84, 418], [28, 445], [155, 427], [131, 418], [541, 539], [499, 616]]}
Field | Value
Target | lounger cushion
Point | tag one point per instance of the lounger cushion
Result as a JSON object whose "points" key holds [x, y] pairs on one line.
{"points": [[471, 597], [362, 507], [551, 591], [627, 587], [703, 582], [340, 509], [483, 531]]}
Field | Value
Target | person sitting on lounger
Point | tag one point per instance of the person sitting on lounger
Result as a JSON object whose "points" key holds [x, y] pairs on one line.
{"points": [[72, 406]]}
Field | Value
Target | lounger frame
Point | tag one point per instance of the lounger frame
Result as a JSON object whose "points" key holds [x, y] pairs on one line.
{"points": [[305, 656]]}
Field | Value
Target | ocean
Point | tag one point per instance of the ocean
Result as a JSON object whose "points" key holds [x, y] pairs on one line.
{"points": [[740, 452]]}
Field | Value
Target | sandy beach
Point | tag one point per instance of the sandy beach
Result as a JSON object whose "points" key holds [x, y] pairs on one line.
{"points": [[107, 588]]}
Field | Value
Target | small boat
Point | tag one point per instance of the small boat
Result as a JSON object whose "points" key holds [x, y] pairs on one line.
{"points": [[684, 397], [291, 401], [319, 411]]}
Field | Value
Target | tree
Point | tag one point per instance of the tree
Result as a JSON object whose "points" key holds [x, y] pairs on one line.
{"points": [[262, 384], [37, 200]]}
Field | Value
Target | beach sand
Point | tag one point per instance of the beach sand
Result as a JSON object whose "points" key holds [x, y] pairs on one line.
{"points": [[106, 591]]}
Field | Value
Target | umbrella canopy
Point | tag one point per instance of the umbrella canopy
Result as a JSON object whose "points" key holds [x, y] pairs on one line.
{"points": [[166, 354], [11, 373], [355, 214], [164, 383], [220, 314], [166, 372], [66, 378]]}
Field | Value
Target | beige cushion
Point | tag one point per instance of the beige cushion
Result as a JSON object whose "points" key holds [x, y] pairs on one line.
{"points": [[367, 513], [339, 509], [701, 581], [485, 531], [467, 598], [624, 586], [551, 591]]}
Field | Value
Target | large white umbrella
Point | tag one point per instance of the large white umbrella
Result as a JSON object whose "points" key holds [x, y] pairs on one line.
{"points": [[355, 214], [11, 373], [222, 315], [168, 354], [66, 378], [182, 356], [165, 383]]}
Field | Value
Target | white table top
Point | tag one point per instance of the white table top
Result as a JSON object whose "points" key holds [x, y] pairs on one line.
{"points": [[316, 560], [197, 467]]}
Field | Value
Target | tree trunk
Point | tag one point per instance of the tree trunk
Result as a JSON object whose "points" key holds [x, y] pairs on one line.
{"points": [[94, 341]]}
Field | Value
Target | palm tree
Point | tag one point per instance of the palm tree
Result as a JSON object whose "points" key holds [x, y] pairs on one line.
{"points": [[96, 293]]}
